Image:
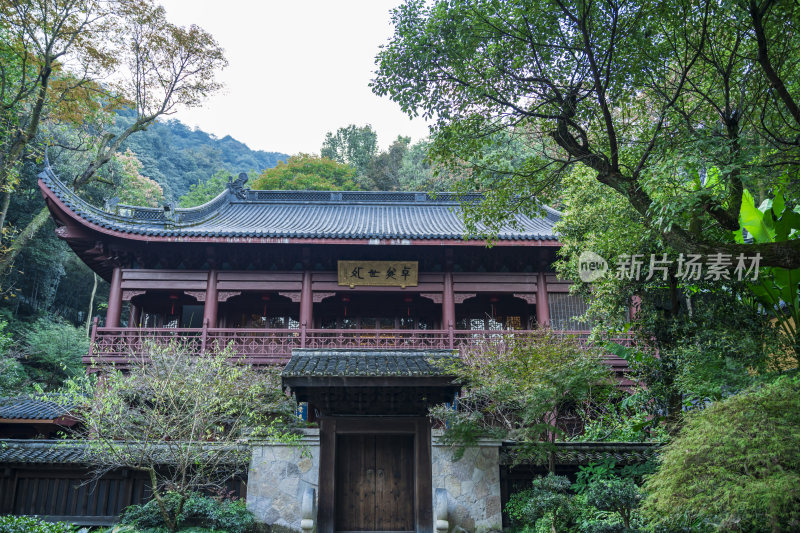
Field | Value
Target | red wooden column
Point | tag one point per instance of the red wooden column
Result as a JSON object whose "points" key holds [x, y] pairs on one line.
{"points": [[133, 321], [542, 304], [114, 299], [448, 305], [211, 304], [306, 306]]}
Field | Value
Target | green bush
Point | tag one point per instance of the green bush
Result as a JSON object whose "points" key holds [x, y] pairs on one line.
{"points": [[548, 502], [198, 511], [735, 465], [621, 496], [31, 524], [605, 500], [51, 352]]}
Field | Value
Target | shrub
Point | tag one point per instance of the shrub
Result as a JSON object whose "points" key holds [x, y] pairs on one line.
{"points": [[198, 511], [735, 464], [31, 524], [52, 352], [548, 500], [619, 495]]}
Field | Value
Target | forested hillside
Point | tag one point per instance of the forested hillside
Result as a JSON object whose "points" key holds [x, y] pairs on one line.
{"points": [[177, 156]]}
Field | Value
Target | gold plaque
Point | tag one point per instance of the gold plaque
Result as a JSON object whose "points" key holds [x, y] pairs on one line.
{"points": [[379, 273]]}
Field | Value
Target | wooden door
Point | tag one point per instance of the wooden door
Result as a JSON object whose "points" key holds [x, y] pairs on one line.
{"points": [[375, 482]]}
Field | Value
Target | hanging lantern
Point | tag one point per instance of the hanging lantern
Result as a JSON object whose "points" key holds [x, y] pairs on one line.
{"points": [[345, 300], [492, 301], [173, 298], [265, 299], [408, 300]]}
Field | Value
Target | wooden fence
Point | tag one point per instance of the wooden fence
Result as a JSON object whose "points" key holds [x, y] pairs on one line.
{"points": [[65, 492]]}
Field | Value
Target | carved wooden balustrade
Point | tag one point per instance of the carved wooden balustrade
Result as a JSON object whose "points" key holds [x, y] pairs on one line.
{"points": [[274, 346]]}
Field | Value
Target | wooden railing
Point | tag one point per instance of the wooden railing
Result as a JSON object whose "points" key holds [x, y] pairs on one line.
{"points": [[274, 346]]}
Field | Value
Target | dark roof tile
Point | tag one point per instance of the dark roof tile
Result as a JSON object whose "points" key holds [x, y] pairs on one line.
{"points": [[304, 214], [26, 408], [368, 363]]}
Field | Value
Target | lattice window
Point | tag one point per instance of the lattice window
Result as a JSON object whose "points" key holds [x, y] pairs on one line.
{"points": [[377, 197], [295, 196], [564, 308]]}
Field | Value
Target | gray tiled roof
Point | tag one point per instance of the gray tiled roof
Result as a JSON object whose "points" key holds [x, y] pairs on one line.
{"points": [[240, 212], [583, 453], [368, 363], [41, 451], [27, 408], [76, 451]]}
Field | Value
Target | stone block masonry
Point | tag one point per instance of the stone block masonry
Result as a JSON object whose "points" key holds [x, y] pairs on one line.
{"points": [[472, 483], [279, 474]]}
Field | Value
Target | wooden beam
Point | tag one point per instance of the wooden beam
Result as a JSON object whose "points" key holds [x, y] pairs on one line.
{"points": [[448, 302], [211, 305], [306, 301], [542, 302], [114, 299]]}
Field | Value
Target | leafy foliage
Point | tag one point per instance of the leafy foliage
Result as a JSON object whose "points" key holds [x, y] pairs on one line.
{"points": [[619, 495], [549, 500], [181, 418], [198, 510], [205, 191], [31, 524], [352, 145], [623, 417], [711, 336], [522, 389], [307, 173], [135, 189], [735, 463], [52, 352], [606, 504], [778, 289], [672, 108], [181, 159]]}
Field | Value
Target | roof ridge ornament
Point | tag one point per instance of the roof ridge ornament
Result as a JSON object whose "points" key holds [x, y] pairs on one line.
{"points": [[236, 187]]}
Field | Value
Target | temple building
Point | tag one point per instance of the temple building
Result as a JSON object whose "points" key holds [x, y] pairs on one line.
{"points": [[354, 294]]}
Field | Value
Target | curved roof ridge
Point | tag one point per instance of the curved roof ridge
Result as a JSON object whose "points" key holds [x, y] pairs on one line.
{"points": [[358, 215]]}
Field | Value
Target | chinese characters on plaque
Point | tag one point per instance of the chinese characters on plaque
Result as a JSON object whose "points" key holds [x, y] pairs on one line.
{"points": [[379, 273]]}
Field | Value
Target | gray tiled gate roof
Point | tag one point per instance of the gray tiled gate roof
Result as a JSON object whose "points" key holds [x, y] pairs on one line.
{"points": [[240, 212], [368, 363]]}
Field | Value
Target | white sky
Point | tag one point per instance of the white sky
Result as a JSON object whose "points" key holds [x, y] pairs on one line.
{"points": [[297, 69]]}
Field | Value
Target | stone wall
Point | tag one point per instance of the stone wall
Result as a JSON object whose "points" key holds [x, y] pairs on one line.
{"points": [[472, 484], [279, 474]]}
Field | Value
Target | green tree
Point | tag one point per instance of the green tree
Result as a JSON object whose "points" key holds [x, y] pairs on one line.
{"points": [[522, 389], [621, 496], [135, 189], [205, 191], [157, 67], [649, 97], [181, 418], [735, 464], [51, 352], [711, 337], [351, 145], [549, 501], [384, 170], [417, 173], [304, 172]]}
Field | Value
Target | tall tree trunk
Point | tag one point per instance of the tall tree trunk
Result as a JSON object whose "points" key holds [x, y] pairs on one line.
{"points": [[91, 306], [7, 261], [4, 211]]}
